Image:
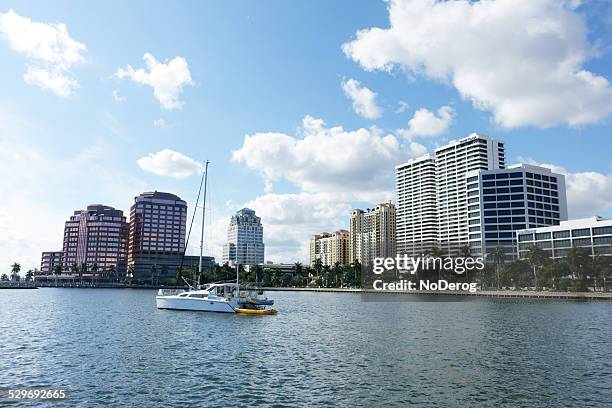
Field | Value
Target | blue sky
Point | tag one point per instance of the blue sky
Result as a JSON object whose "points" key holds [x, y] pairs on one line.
{"points": [[260, 69]]}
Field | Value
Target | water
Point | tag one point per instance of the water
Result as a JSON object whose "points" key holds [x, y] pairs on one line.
{"points": [[114, 348]]}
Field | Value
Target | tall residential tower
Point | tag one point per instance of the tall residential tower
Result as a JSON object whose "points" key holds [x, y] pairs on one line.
{"points": [[244, 239], [372, 233], [330, 248]]}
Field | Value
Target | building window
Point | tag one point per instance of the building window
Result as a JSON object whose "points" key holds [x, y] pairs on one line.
{"points": [[583, 232], [602, 230]]}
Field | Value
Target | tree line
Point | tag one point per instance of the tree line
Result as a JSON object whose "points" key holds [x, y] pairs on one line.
{"points": [[577, 271]]}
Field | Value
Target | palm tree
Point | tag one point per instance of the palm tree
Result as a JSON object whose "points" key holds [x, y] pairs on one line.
{"points": [[15, 268], [600, 271], [318, 267], [537, 258], [29, 275], [578, 260], [337, 272], [57, 271], [499, 256], [112, 272]]}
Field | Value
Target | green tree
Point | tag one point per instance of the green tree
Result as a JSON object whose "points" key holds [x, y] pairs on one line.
{"points": [[517, 274], [553, 272], [317, 266], [4, 277], [600, 267], [29, 275], [112, 272], [499, 257], [15, 269], [57, 270], [537, 258], [578, 261], [337, 275], [356, 273]]}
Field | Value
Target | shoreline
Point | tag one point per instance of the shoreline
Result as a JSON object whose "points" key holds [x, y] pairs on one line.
{"points": [[504, 294], [597, 296]]}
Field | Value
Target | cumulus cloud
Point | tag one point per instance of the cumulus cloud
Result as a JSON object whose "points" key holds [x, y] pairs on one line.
{"points": [[166, 78], [364, 100], [522, 60], [168, 163], [331, 172], [50, 50], [425, 123], [324, 159], [291, 219], [589, 193]]}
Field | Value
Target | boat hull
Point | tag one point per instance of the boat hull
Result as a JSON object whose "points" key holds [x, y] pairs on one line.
{"points": [[200, 305]]}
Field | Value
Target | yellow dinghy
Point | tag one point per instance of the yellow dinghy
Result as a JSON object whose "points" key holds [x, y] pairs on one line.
{"points": [[256, 311]]}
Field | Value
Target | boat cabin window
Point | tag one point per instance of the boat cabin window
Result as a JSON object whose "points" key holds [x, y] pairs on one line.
{"points": [[196, 295], [183, 295]]}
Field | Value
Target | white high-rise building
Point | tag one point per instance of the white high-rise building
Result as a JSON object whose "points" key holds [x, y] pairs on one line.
{"points": [[453, 161], [432, 195], [417, 216], [244, 239]]}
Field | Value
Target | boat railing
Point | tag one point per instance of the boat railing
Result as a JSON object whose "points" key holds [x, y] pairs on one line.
{"points": [[169, 292]]}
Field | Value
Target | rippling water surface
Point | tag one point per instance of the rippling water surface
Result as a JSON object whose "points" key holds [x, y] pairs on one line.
{"points": [[114, 348]]}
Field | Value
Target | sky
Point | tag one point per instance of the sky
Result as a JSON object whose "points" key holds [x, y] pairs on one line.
{"points": [[303, 108]]}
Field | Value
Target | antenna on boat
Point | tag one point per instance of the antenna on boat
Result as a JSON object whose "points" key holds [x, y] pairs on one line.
{"points": [[203, 217], [195, 210]]}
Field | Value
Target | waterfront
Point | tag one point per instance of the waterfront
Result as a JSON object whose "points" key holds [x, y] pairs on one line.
{"points": [[112, 347]]}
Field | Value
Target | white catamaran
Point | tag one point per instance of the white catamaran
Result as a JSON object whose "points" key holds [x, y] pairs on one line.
{"points": [[214, 297]]}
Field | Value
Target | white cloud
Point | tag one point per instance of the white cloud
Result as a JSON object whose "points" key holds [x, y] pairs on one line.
{"points": [[520, 59], [326, 159], [330, 170], [50, 49], [364, 100], [425, 123], [46, 186], [161, 122], [168, 163], [589, 193], [291, 219], [166, 78], [118, 98]]}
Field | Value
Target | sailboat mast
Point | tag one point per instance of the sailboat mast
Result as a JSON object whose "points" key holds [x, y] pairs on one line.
{"points": [[203, 216]]}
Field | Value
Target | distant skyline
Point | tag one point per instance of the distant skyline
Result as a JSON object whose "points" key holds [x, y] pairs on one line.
{"points": [[304, 108]]}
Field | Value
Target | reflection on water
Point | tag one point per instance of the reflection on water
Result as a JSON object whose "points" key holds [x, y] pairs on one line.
{"points": [[113, 347]]}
